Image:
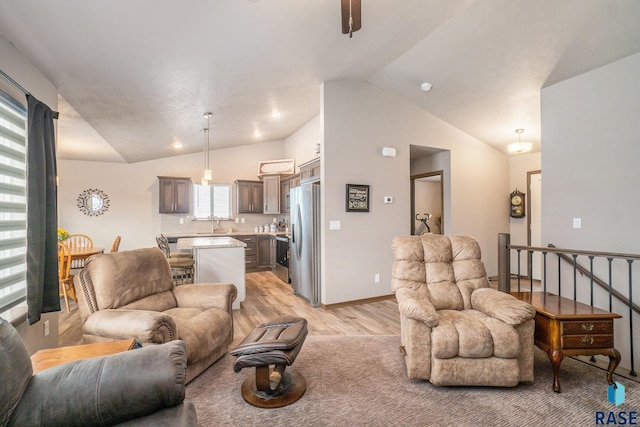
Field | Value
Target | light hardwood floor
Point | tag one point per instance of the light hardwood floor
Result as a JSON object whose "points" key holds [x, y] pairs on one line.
{"points": [[269, 297]]}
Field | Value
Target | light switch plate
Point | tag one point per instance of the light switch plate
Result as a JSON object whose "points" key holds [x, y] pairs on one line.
{"points": [[388, 199], [335, 225], [577, 222]]}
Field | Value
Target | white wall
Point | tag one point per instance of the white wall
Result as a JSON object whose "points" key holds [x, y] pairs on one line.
{"points": [[133, 192], [590, 131], [359, 119], [301, 145], [518, 167]]}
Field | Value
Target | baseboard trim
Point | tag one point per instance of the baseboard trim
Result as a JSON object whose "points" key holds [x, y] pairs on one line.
{"points": [[357, 302]]}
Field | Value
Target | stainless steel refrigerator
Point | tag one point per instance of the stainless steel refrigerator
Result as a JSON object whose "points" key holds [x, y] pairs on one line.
{"points": [[304, 261]]}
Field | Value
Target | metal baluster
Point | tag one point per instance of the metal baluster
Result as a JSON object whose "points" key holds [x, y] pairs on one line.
{"points": [[544, 270], [591, 276], [610, 285], [632, 371], [559, 276], [530, 268], [575, 277], [518, 250]]}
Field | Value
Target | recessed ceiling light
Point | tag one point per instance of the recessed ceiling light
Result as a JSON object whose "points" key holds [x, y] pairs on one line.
{"points": [[257, 134], [177, 145], [276, 114], [425, 87]]}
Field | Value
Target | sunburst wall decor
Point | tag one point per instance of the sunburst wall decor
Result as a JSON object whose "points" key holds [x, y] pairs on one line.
{"points": [[93, 202]]}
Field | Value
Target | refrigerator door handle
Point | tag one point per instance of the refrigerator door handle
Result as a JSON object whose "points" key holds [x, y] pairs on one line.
{"points": [[298, 245]]}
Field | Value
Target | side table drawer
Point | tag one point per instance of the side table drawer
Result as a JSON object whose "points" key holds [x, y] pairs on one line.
{"points": [[587, 341], [590, 327]]}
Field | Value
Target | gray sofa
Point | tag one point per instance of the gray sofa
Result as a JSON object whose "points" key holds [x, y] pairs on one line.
{"points": [[131, 294], [143, 387]]}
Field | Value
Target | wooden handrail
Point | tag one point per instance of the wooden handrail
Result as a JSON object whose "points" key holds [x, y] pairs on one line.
{"points": [[553, 249], [598, 281]]}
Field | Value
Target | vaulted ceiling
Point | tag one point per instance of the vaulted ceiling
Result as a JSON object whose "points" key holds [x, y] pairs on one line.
{"points": [[136, 77]]}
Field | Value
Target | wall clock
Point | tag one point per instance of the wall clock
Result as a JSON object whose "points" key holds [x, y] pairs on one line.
{"points": [[517, 204]]}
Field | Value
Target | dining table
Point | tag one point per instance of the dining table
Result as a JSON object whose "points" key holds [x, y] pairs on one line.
{"points": [[82, 253]]}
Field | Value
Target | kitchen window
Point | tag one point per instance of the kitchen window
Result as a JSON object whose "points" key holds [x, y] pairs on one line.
{"points": [[13, 202], [213, 200]]}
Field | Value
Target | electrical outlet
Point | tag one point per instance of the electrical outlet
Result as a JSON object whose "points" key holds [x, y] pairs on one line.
{"points": [[46, 328], [376, 278]]}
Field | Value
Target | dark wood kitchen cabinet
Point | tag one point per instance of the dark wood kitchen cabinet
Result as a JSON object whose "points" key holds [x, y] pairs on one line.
{"points": [[271, 194], [174, 195], [266, 251], [310, 171], [249, 196], [286, 185]]}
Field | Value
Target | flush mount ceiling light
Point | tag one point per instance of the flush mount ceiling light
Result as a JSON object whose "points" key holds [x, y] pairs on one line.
{"points": [[351, 16], [207, 175], [425, 87], [520, 146]]}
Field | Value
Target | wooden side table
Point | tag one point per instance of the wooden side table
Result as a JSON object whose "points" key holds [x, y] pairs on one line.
{"points": [[50, 357], [565, 327]]}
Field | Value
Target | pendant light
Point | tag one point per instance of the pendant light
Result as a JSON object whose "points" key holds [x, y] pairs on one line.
{"points": [[207, 174], [520, 146]]}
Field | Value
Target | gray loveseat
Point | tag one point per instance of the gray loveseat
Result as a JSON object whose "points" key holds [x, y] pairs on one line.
{"points": [[144, 387], [131, 294]]}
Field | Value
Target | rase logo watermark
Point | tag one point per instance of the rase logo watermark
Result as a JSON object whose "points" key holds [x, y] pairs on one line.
{"points": [[615, 395]]}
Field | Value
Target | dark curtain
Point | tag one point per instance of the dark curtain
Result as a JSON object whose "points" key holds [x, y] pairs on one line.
{"points": [[42, 212]]}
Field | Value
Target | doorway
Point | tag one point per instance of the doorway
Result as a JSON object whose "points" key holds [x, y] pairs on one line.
{"points": [[427, 203]]}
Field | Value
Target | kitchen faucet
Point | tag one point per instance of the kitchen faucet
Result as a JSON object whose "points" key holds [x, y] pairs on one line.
{"points": [[215, 224]]}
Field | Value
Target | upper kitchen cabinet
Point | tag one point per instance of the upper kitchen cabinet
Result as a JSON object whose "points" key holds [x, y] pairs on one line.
{"points": [[249, 196], [174, 195], [310, 171], [287, 184], [271, 195]]}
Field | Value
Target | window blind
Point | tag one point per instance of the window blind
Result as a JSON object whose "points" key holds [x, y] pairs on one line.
{"points": [[211, 200], [13, 202]]}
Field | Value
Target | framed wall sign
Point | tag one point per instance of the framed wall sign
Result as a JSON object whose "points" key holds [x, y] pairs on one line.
{"points": [[357, 198]]}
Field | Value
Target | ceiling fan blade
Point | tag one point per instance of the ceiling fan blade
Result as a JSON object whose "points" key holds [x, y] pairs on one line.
{"points": [[355, 7]]}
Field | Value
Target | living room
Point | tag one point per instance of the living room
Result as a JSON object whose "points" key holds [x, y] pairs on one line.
{"points": [[588, 124]]}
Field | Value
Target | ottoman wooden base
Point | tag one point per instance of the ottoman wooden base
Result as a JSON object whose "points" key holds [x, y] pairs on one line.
{"points": [[270, 348], [289, 390]]}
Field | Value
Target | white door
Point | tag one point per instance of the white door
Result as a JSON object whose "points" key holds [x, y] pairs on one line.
{"points": [[535, 219]]}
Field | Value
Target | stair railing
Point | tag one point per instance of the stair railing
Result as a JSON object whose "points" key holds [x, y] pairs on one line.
{"points": [[505, 249]]}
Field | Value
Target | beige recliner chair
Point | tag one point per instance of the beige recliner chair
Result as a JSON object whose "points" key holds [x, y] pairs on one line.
{"points": [[455, 329], [131, 294]]}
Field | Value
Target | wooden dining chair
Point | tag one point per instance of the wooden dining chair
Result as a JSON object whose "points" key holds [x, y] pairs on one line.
{"points": [[65, 279], [116, 244], [78, 242]]}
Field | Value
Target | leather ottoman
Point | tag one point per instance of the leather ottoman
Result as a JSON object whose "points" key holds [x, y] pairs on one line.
{"points": [[270, 348]]}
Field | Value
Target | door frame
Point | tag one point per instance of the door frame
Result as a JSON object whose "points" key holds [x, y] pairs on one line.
{"points": [[413, 197], [529, 200]]}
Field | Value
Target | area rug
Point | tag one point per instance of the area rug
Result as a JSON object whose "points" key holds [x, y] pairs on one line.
{"points": [[361, 381]]}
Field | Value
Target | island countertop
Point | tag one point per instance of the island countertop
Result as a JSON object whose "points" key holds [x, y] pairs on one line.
{"points": [[209, 242]]}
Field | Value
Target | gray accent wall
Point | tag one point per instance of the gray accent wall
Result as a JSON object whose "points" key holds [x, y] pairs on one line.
{"points": [[590, 162], [359, 119]]}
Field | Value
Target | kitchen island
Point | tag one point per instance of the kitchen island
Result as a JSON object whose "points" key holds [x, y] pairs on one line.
{"points": [[218, 260]]}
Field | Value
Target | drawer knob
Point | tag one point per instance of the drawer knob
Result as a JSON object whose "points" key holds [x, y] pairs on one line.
{"points": [[587, 339], [587, 327]]}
